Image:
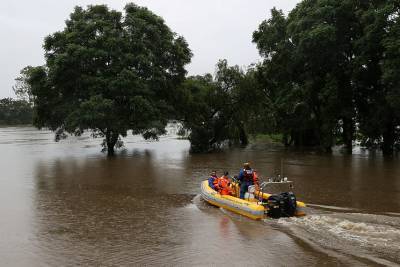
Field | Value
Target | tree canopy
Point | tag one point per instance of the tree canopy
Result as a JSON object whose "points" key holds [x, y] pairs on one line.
{"points": [[329, 75], [216, 109], [330, 72], [109, 72]]}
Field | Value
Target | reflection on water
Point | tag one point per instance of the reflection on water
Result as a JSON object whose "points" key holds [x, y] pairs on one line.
{"points": [[67, 202]]}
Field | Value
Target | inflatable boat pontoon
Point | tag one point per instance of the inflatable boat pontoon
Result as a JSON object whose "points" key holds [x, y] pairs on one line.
{"points": [[259, 206]]}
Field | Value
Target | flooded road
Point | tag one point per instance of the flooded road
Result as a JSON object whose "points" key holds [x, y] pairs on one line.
{"points": [[68, 204]]}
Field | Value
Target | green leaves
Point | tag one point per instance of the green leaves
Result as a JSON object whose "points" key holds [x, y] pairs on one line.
{"points": [[110, 72], [332, 65], [215, 110], [271, 34]]}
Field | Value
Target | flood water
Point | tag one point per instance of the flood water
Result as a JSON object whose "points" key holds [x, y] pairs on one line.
{"points": [[67, 204]]}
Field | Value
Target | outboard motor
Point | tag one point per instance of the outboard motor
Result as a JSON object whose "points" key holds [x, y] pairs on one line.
{"points": [[274, 203], [282, 205], [289, 204]]}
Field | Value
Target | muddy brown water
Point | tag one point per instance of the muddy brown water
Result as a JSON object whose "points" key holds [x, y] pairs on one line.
{"points": [[67, 204]]}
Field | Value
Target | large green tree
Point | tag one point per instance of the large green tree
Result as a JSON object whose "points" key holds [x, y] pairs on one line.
{"points": [[376, 75], [391, 75], [216, 110], [330, 69], [109, 72]]}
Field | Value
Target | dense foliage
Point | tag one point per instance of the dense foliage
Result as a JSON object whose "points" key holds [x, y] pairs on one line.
{"points": [[216, 109], [331, 70], [22, 88], [109, 72], [330, 75], [15, 112]]}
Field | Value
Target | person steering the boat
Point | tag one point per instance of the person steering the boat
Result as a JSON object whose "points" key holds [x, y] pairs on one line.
{"points": [[247, 176], [212, 179], [222, 185]]}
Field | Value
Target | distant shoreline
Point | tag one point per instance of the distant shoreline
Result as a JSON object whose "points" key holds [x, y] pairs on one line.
{"points": [[15, 125]]}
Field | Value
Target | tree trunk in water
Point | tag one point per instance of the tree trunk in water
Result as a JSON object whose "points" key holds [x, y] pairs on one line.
{"points": [[346, 96], [110, 148], [348, 132], [244, 140], [388, 138], [326, 139], [296, 138], [111, 140], [286, 140], [328, 149]]}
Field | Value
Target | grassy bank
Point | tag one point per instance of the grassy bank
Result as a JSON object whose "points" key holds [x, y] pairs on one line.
{"points": [[266, 138]]}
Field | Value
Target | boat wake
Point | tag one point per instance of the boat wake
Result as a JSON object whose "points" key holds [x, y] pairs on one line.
{"points": [[368, 237], [331, 208]]}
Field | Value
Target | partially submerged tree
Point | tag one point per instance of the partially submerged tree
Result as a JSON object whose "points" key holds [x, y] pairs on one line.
{"points": [[109, 72], [377, 75], [216, 109], [330, 69]]}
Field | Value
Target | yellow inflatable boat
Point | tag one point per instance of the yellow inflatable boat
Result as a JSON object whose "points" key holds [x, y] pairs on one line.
{"points": [[258, 205]]}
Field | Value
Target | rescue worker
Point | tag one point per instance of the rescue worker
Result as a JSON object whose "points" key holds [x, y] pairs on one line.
{"points": [[211, 180], [222, 185], [247, 176]]}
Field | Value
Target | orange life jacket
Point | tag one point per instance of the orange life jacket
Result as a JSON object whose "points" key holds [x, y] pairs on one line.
{"points": [[222, 186]]}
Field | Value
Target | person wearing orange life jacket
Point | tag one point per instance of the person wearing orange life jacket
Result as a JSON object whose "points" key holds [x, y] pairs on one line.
{"points": [[247, 176], [222, 185]]}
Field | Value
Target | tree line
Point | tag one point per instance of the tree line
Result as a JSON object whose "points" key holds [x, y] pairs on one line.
{"points": [[15, 112], [329, 76], [18, 111], [332, 69]]}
